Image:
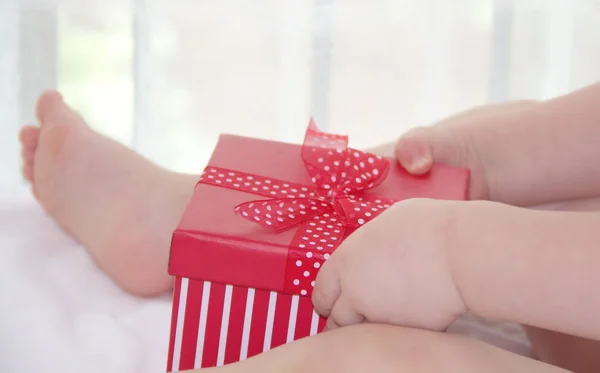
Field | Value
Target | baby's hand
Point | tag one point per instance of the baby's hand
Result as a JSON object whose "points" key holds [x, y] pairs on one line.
{"points": [[394, 270], [455, 141]]}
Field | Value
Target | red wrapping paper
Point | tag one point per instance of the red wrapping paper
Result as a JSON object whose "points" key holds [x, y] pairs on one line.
{"points": [[242, 288]]}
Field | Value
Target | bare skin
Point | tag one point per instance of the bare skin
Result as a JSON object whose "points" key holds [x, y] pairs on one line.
{"points": [[385, 348], [107, 197], [120, 207], [514, 151]]}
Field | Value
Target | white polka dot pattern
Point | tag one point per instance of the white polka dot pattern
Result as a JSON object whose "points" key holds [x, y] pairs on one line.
{"points": [[323, 212], [282, 214], [256, 184], [312, 245], [357, 213], [338, 170]]}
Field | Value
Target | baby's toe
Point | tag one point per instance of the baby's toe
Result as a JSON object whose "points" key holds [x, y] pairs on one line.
{"points": [[28, 137], [47, 102], [28, 171]]}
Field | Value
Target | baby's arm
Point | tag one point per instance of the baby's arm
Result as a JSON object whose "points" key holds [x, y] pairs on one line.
{"points": [[548, 152], [535, 267]]}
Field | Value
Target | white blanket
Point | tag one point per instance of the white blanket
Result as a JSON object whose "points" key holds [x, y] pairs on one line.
{"points": [[61, 314]]}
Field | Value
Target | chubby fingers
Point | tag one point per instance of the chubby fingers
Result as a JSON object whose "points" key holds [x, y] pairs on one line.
{"points": [[413, 151], [330, 301], [327, 288], [343, 313]]}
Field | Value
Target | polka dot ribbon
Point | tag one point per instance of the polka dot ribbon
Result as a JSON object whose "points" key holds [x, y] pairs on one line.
{"points": [[323, 212]]}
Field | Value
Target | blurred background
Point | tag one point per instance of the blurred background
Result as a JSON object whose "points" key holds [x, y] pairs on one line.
{"points": [[167, 76]]}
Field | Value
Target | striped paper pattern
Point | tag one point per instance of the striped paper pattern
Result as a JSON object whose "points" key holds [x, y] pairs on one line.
{"points": [[215, 324]]}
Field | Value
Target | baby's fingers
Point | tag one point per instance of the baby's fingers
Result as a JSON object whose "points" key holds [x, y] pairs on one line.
{"points": [[329, 300], [327, 288], [343, 313], [413, 151]]}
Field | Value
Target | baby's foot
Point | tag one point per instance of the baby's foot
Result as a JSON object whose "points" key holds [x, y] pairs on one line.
{"points": [[452, 142], [118, 205]]}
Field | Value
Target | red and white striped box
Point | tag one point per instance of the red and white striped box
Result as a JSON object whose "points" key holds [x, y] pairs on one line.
{"points": [[216, 324], [261, 222]]}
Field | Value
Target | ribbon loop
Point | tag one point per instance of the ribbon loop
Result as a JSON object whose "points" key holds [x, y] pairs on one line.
{"points": [[363, 171], [337, 169], [284, 213], [324, 156]]}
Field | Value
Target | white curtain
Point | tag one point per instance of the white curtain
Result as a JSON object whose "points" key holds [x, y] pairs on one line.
{"points": [[167, 76]]}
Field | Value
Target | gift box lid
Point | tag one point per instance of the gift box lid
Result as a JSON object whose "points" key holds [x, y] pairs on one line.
{"points": [[215, 243]]}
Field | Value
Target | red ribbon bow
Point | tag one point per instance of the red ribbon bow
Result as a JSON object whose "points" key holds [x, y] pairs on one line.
{"points": [[341, 175], [325, 212]]}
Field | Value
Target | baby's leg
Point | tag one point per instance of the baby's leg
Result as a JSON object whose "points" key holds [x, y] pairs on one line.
{"points": [[118, 205], [382, 348]]}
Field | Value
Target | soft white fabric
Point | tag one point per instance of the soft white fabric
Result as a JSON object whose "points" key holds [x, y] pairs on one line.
{"points": [[61, 314]]}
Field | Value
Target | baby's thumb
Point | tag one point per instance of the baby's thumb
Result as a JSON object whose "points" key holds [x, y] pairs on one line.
{"points": [[420, 147]]}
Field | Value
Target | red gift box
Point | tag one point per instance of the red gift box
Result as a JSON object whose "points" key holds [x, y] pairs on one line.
{"points": [[263, 218]]}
